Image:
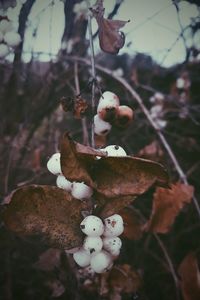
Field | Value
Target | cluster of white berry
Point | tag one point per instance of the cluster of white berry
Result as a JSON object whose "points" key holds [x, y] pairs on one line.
{"points": [[102, 243], [9, 38], [79, 190], [157, 110], [109, 112]]}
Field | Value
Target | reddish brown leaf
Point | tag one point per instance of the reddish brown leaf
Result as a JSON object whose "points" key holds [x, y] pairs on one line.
{"points": [[167, 203], [56, 287], [132, 224], [123, 279], [100, 140], [152, 151], [48, 260], [80, 108], [190, 277], [111, 40], [46, 211], [126, 176]]}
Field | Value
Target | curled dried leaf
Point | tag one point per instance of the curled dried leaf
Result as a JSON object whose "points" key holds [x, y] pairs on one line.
{"points": [[80, 108], [111, 39], [190, 277], [47, 212], [167, 203], [132, 224]]}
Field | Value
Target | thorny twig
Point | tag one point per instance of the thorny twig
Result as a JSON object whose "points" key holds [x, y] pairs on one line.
{"points": [[139, 100], [83, 120]]}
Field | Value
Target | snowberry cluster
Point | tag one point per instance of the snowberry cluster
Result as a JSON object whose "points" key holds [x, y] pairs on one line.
{"points": [[101, 244], [9, 38], [110, 112], [157, 110], [78, 190]]}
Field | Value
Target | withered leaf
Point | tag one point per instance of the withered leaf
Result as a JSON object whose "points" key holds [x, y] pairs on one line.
{"points": [[132, 224], [77, 160], [48, 260], [126, 176], [80, 108], [189, 277], [152, 151], [111, 39], [109, 206], [167, 203], [123, 279], [48, 212]]}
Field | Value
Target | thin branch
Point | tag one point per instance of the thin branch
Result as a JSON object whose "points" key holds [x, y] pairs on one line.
{"points": [[83, 120], [93, 72], [139, 100]]}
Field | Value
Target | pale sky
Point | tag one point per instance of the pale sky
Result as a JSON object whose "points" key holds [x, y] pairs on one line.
{"points": [[153, 29]]}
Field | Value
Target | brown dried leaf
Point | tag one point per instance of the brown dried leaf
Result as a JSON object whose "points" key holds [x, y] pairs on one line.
{"points": [[190, 277], [80, 108], [167, 203], [109, 206], [111, 40], [46, 211], [132, 224], [48, 260], [126, 176], [152, 151], [100, 140], [123, 279], [56, 287]]}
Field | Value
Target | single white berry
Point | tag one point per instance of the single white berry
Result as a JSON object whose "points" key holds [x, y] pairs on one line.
{"points": [[81, 191], [1, 36], [107, 100], [112, 245], [53, 164], [93, 244], [101, 262], [92, 226], [82, 257], [114, 150], [180, 83], [12, 38], [100, 126], [63, 183], [4, 50], [5, 26], [113, 226]]}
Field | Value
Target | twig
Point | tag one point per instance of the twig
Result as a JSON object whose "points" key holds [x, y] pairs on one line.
{"points": [[83, 120], [93, 72], [139, 100]]}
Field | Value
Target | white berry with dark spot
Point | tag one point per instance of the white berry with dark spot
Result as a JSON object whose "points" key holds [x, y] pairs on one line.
{"points": [[113, 226], [112, 245], [93, 244], [92, 226], [53, 164], [114, 150]]}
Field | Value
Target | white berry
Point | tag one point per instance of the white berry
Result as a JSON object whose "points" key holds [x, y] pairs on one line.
{"points": [[5, 26], [4, 50], [108, 100], [93, 244], [92, 226], [63, 183], [101, 262], [12, 38], [114, 150], [81, 191], [82, 257], [112, 245], [113, 226], [53, 164], [100, 126], [1, 36]]}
